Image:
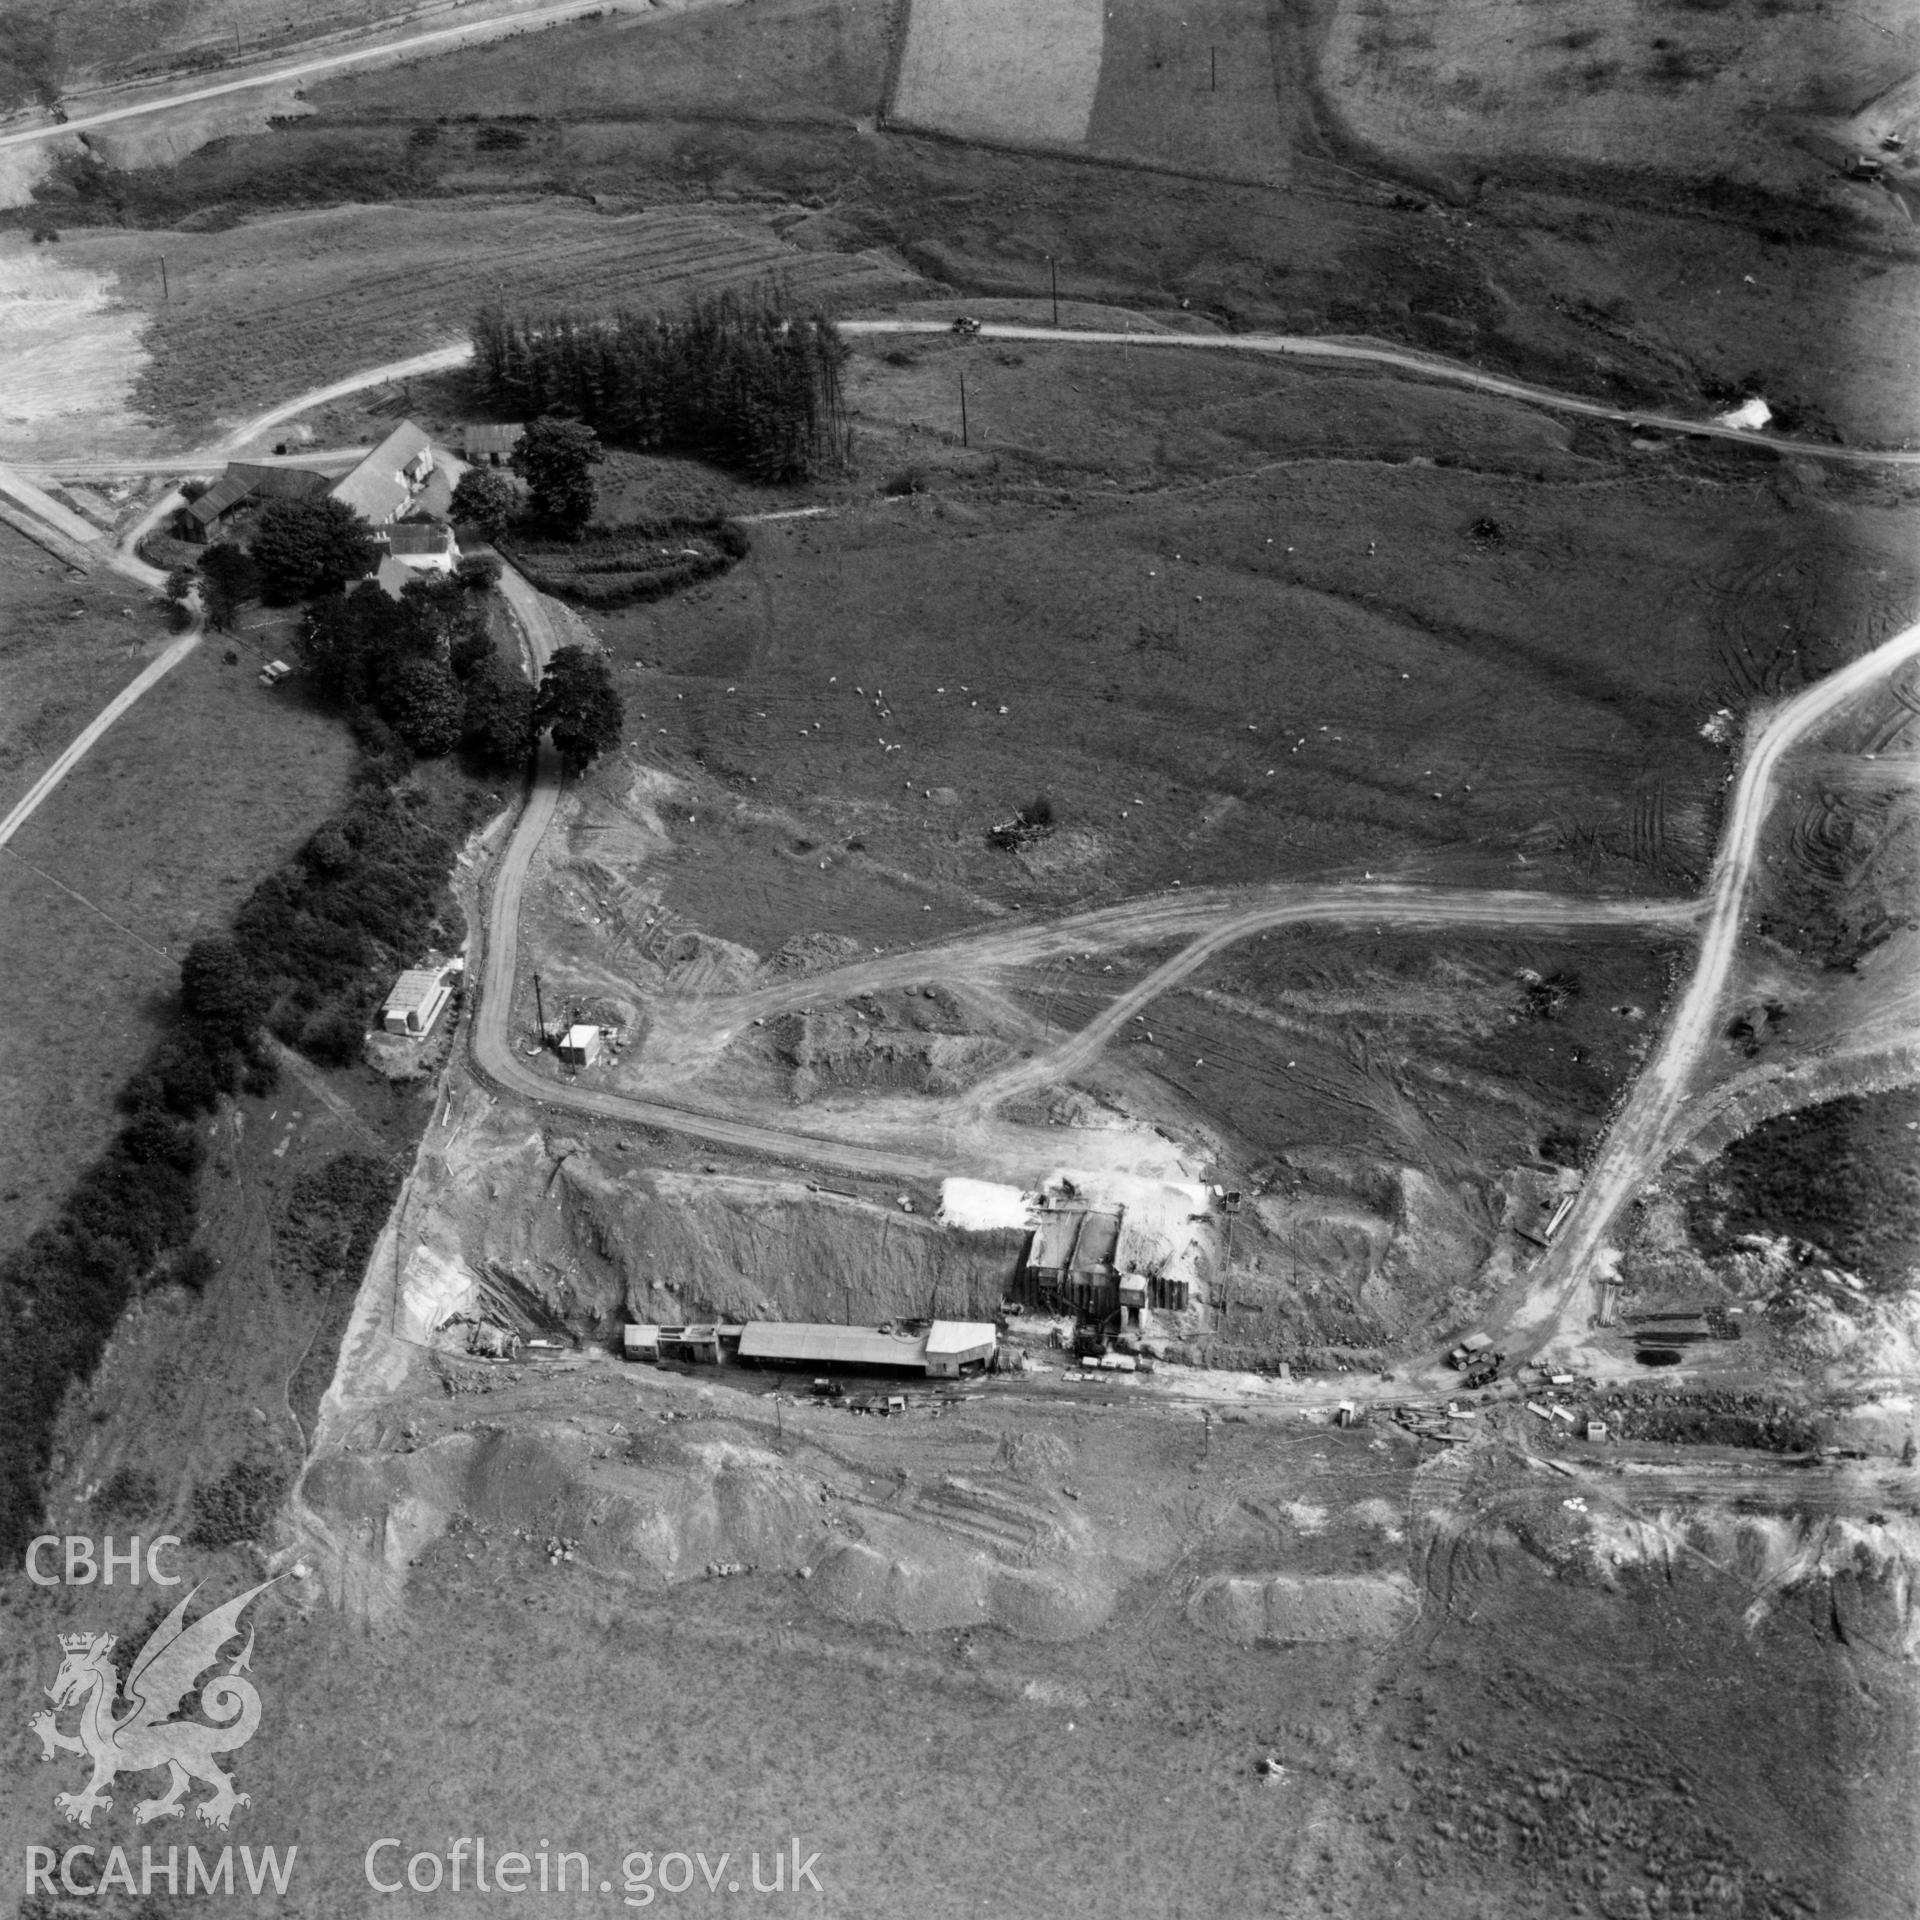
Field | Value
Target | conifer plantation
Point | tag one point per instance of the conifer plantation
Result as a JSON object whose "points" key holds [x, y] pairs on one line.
{"points": [[731, 379]]}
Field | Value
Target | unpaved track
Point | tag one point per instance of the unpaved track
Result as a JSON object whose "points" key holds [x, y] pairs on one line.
{"points": [[1425, 366], [687, 1033], [1560, 1294]]}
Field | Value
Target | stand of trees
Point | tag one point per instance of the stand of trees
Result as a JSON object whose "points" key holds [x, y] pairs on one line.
{"points": [[732, 380], [424, 665]]}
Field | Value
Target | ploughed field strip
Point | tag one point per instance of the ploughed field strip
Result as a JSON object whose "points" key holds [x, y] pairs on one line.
{"points": [[402, 275]]}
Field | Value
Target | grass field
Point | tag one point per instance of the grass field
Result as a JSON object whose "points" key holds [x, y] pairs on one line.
{"points": [[1290, 648], [1691, 88], [151, 842], [330, 292], [1205, 88], [68, 643], [793, 61]]}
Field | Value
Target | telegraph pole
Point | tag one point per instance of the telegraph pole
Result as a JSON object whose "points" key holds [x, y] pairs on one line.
{"points": [[963, 411], [166, 296], [1213, 69], [1053, 270], [540, 1008]]}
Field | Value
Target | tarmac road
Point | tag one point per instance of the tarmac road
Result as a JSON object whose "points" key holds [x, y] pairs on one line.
{"points": [[1560, 1293], [439, 40]]}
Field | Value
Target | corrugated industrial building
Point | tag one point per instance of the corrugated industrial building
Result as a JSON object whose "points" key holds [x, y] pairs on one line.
{"points": [[943, 1350]]}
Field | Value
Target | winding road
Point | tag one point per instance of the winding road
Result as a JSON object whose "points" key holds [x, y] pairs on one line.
{"points": [[1647, 1129], [1635, 1146]]}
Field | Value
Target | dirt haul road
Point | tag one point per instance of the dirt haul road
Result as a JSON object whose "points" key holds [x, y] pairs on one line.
{"points": [[1426, 366], [687, 1034], [1223, 913], [1559, 1298], [439, 40]]}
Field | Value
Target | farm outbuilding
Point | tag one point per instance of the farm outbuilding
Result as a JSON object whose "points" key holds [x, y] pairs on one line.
{"points": [[490, 445], [423, 545], [244, 483]]}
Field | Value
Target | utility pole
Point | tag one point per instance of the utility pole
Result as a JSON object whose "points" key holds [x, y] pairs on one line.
{"points": [[1213, 69], [1053, 271], [539, 1007], [963, 411], [166, 295]]}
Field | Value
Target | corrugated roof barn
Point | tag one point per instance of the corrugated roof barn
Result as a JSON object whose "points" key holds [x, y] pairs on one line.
{"points": [[814, 1344], [490, 445]]}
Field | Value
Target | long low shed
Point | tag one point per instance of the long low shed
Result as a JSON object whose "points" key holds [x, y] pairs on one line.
{"points": [[945, 1349]]}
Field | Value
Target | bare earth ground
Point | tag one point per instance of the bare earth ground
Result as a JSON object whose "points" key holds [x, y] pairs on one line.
{"points": [[1551, 1717]]}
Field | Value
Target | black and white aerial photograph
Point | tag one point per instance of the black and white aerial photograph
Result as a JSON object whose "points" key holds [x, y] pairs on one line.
{"points": [[960, 959]]}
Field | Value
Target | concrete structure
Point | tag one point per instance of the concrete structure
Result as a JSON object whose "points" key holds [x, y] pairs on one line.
{"points": [[384, 486], [418, 999], [423, 546], [581, 1046]]}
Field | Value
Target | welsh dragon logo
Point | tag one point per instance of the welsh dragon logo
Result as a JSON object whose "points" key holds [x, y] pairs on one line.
{"points": [[146, 1736]]}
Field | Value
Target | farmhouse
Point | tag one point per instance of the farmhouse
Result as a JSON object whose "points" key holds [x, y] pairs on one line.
{"points": [[387, 483]]}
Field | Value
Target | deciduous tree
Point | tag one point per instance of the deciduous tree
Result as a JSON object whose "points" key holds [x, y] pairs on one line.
{"points": [[483, 501], [555, 457], [578, 701], [423, 705], [310, 546], [499, 712], [220, 991]]}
